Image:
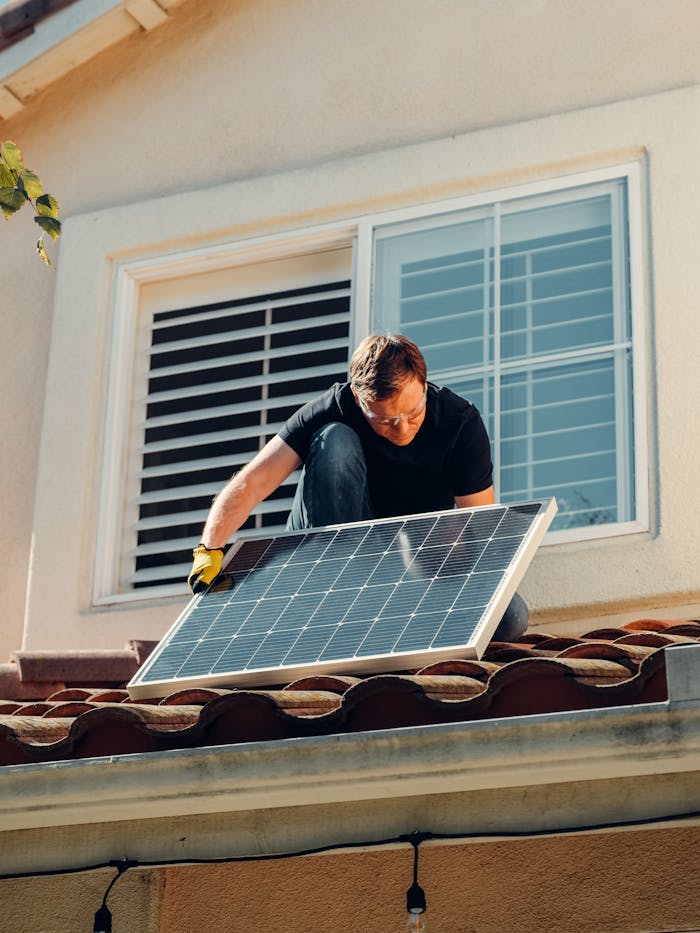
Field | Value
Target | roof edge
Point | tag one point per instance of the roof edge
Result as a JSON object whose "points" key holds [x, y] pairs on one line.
{"points": [[589, 745], [70, 36]]}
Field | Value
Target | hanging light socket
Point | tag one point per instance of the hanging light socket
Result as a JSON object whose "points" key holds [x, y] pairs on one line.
{"points": [[415, 899], [103, 917], [415, 896], [103, 921]]}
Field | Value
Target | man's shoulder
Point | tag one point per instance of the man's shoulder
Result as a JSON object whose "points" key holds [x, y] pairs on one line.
{"points": [[313, 414], [447, 404], [333, 395]]}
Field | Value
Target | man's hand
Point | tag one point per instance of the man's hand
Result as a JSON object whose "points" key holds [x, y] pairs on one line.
{"points": [[206, 567]]}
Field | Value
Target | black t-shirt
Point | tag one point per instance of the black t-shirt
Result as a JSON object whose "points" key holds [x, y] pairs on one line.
{"points": [[449, 456]]}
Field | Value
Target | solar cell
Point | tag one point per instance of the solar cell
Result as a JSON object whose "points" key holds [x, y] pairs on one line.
{"points": [[392, 594]]}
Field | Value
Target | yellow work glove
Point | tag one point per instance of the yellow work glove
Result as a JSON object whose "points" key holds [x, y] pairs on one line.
{"points": [[206, 567]]}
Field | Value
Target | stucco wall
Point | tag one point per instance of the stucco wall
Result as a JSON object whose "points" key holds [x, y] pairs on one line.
{"points": [[616, 883], [591, 884], [229, 92], [68, 903]]}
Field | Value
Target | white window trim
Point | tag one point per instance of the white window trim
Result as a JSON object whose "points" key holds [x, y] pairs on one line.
{"points": [[130, 276], [631, 172]]}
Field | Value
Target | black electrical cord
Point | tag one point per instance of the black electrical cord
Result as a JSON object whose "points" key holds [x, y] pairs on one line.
{"points": [[103, 917], [366, 844], [415, 896]]}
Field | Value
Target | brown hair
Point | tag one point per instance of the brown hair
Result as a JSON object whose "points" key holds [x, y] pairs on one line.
{"points": [[382, 363]]}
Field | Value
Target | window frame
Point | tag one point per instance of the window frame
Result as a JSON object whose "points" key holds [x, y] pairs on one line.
{"points": [[119, 442], [630, 173], [357, 232]]}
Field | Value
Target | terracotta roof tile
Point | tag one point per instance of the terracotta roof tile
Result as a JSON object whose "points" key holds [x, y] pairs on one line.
{"points": [[654, 639], [602, 649], [85, 667], [664, 625], [13, 687], [482, 670], [72, 708], [538, 674], [500, 653], [333, 682], [193, 696], [70, 693], [448, 687]]}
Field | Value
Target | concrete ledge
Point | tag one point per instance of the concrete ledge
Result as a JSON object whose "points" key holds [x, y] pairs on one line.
{"points": [[683, 673], [83, 667], [593, 745]]}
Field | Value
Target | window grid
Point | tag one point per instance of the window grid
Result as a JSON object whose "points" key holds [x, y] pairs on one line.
{"points": [[579, 270]]}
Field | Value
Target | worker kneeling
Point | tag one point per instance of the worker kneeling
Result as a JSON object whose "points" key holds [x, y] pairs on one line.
{"points": [[386, 443]]}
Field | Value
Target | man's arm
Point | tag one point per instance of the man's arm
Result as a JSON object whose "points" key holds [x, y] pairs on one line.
{"points": [[485, 497], [265, 472]]}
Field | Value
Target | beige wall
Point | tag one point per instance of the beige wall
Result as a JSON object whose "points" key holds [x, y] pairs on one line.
{"points": [[229, 92], [68, 903], [590, 884], [623, 883], [643, 879]]}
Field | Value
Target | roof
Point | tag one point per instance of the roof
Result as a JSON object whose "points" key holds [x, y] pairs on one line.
{"points": [[58, 706], [19, 18], [43, 40]]}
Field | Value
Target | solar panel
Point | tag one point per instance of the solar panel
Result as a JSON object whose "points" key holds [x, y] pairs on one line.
{"points": [[389, 594]]}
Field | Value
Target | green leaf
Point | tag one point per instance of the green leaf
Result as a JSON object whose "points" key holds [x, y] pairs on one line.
{"points": [[11, 199], [49, 225], [7, 176], [41, 250], [30, 184], [47, 205], [11, 154]]}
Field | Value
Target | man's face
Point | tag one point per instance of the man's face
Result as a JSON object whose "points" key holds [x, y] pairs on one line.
{"points": [[399, 417]]}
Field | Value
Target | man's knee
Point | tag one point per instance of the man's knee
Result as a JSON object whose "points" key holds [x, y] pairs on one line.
{"points": [[335, 435], [334, 447], [514, 621], [333, 483]]}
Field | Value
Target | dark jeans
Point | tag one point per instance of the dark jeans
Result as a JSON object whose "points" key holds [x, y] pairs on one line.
{"points": [[333, 489]]}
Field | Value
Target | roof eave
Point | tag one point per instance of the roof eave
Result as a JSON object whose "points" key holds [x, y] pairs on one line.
{"points": [[540, 773], [589, 745], [68, 38]]}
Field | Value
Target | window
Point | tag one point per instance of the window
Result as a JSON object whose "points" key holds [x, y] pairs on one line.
{"points": [[523, 306], [525, 303], [212, 382]]}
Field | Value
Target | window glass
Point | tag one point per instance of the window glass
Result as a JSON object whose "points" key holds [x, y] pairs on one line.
{"points": [[525, 311]]}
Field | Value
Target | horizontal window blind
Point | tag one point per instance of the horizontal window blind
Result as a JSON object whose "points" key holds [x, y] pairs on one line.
{"points": [[220, 380], [524, 309]]}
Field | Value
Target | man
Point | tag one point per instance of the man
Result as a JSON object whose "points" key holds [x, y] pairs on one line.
{"points": [[386, 443]]}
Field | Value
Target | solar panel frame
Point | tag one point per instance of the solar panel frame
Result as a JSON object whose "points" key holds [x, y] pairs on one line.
{"points": [[306, 610]]}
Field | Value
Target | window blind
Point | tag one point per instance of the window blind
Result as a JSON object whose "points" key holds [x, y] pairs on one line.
{"points": [[219, 382]]}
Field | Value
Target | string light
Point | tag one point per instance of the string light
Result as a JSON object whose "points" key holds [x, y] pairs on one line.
{"points": [[103, 917], [415, 896], [416, 905]]}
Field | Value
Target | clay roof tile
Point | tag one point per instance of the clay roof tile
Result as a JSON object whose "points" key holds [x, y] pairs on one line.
{"points": [[539, 674]]}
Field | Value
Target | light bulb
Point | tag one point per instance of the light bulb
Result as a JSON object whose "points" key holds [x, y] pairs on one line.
{"points": [[416, 923]]}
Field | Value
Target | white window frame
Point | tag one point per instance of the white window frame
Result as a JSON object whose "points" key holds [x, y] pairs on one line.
{"points": [[119, 444], [630, 172], [358, 231]]}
